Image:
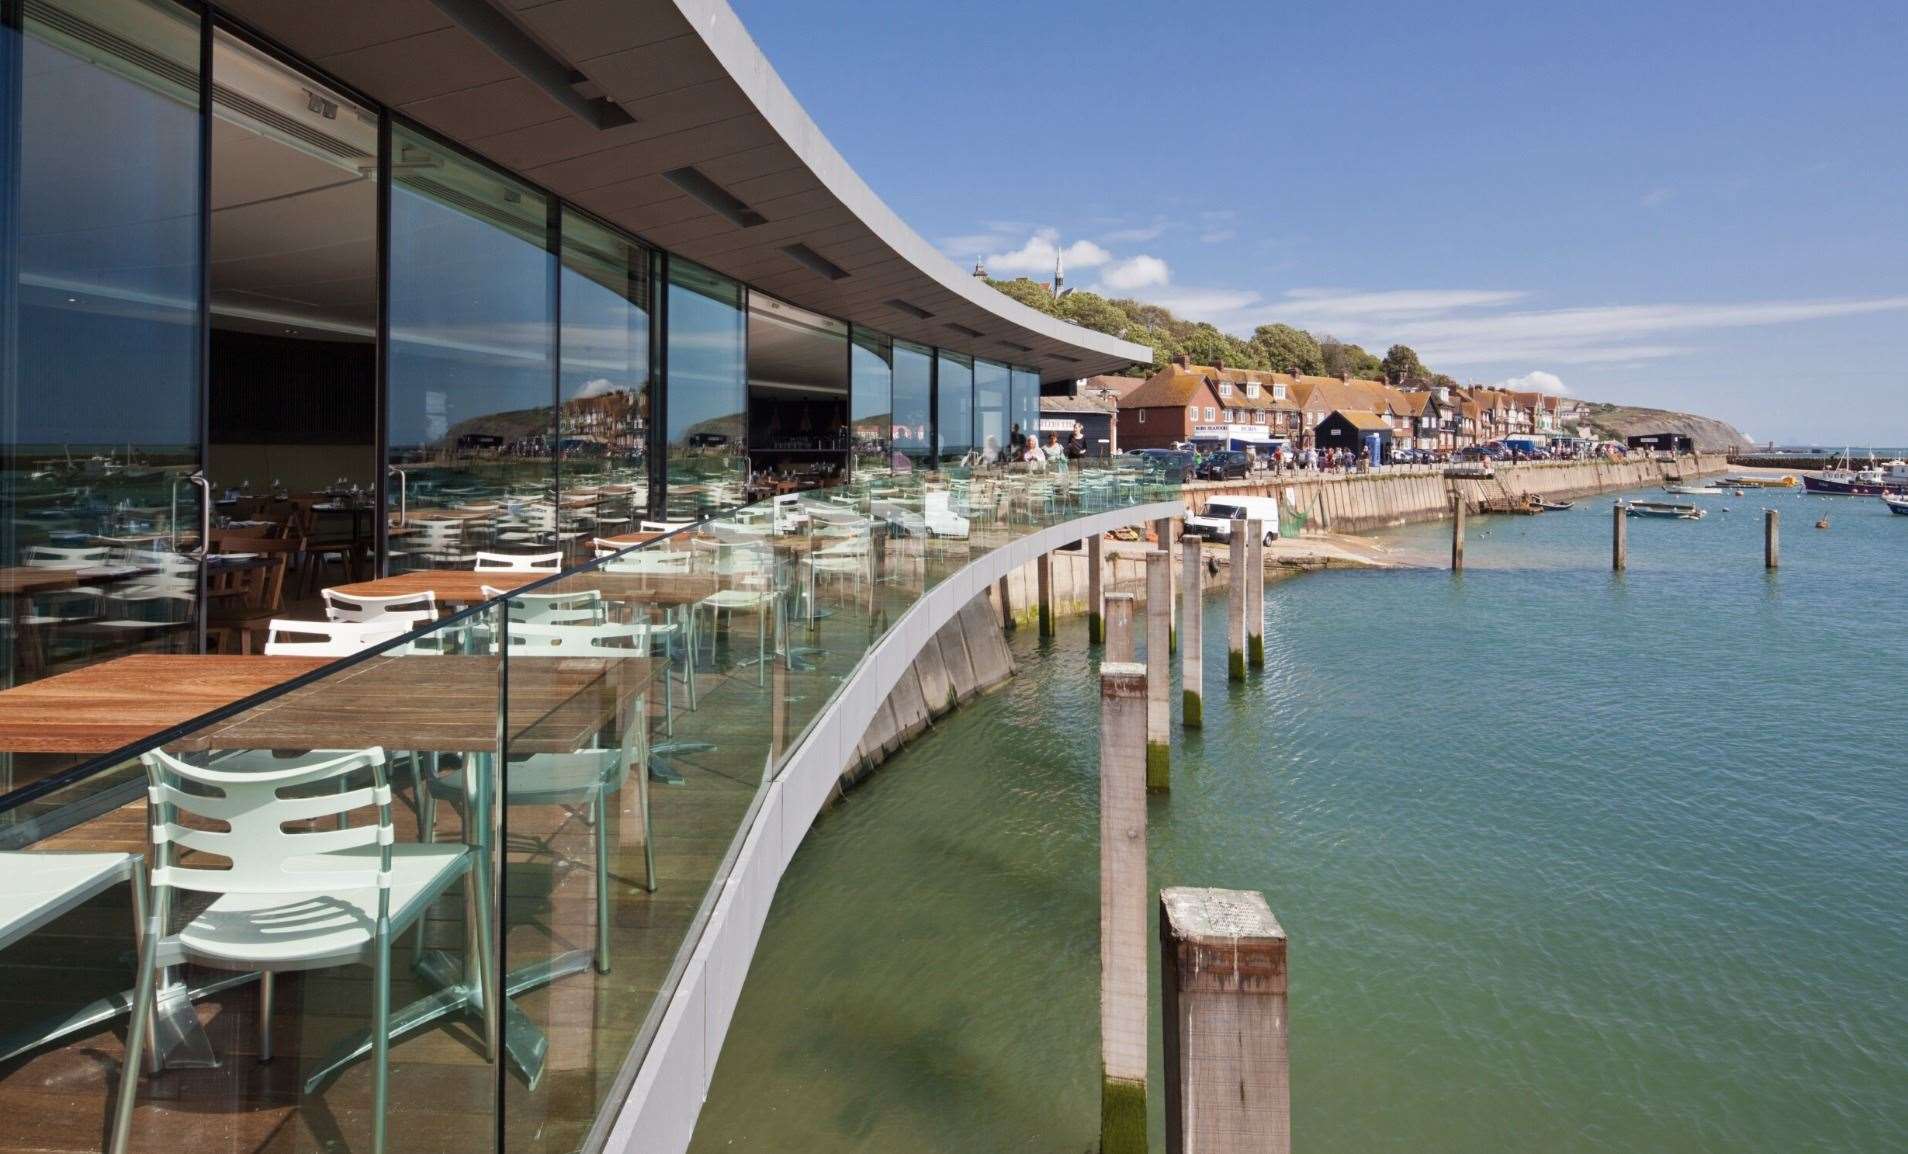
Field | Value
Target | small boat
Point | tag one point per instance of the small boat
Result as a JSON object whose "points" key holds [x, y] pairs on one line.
{"points": [[1676, 490], [1896, 502], [1555, 506], [1782, 482], [1664, 509]]}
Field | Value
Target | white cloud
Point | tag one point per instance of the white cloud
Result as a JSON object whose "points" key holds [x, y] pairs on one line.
{"points": [[1038, 253], [1218, 235], [1137, 273], [1137, 235], [1340, 304], [1222, 306], [1535, 381]]}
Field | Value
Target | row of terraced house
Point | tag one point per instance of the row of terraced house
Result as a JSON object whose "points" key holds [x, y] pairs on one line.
{"points": [[1217, 406]]}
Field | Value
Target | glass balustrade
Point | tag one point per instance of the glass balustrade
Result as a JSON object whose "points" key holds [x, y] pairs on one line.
{"points": [[490, 838]]}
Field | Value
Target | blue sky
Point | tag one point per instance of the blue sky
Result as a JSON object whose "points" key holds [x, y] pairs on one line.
{"points": [[1695, 205]]}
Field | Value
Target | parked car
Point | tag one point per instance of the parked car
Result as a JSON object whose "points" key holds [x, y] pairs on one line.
{"points": [[1222, 514], [1173, 464], [1223, 465]]}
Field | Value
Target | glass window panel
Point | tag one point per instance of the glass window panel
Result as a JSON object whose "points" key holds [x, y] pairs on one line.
{"points": [[102, 412], [798, 392], [998, 440], [913, 401], [1026, 400], [708, 390], [871, 405], [293, 368], [954, 398], [471, 378], [605, 370]]}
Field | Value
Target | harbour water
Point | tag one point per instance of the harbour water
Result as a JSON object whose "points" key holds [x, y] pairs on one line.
{"points": [[1570, 861]]}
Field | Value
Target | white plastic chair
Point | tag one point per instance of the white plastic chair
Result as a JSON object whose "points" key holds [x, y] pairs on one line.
{"points": [[310, 899], [937, 511], [578, 607], [586, 776], [747, 568], [339, 638], [409, 609], [650, 560], [63, 557], [518, 562]]}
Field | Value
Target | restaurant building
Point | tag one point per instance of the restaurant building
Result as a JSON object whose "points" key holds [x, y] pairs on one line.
{"points": [[370, 257]]}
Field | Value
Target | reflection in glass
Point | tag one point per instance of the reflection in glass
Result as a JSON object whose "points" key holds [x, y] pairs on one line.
{"points": [[292, 407], [913, 402], [798, 393], [102, 411], [954, 405], [605, 372], [871, 407], [471, 386], [708, 391], [996, 441], [1024, 409]]}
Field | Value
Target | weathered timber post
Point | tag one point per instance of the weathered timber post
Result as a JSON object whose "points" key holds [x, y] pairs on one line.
{"points": [[1119, 628], [1192, 580], [1772, 538], [1123, 894], [1619, 539], [1043, 573], [1236, 610], [1163, 529], [1096, 604], [1458, 511], [1006, 607], [1255, 594], [1223, 981], [1159, 675]]}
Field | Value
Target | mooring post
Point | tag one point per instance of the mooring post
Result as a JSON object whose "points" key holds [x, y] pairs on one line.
{"points": [[1772, 538], [1043, 573], [1619, 538], [1223, 984], [1192, 580], [1236, 610], [1163, 529], [1119, 628], [1255, 594], [1123, 895], [1159, 675], [1096, 604], [1006, 607], [1458, 511]]}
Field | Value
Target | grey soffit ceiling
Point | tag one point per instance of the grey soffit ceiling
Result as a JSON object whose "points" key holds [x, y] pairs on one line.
{"points": [[708, 113]]}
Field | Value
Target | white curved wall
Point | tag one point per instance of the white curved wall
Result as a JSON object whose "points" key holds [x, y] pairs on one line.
{"points": [[659, 1116]]}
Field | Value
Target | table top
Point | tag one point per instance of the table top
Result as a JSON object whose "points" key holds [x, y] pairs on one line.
{"points": [[98, 708], [465, 586]]}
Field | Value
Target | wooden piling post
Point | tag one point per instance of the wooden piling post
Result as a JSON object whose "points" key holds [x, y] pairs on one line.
{"points": [[1255, 594], [1163, 529], [1006, 607], [1192, 580], [1043, 573], [1619, 538], [1223, 985], [1119, 628], [1458, 511], [1159, 675], [1096, 603], [1123, 897], [1236, 610], [1772, 538]]}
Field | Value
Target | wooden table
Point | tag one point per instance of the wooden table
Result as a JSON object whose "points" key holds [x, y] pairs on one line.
{"points": [[466, 586], [99, 708]]}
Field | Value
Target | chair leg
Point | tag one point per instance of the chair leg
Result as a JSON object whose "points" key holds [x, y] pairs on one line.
{"points": [[136, 1038], [601, 819], [477, 886], [266, 988], [381, 1037]]}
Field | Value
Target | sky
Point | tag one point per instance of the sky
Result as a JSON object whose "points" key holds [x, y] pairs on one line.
{"points": [[1700, 206]]}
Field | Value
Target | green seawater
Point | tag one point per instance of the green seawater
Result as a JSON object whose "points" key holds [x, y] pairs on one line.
{"points": [[1569, 861]]}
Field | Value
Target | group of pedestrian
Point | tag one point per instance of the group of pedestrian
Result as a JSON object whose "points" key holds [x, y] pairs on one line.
{"points": [[1025, 448]]}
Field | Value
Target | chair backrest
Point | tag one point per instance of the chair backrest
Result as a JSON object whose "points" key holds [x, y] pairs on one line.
{"points": [[254, 804], [518, 562], [662, 526], [577, 607], [648, 561], [409, 609], [614, 639], [63, 557], [340, 638], [442, 531]]}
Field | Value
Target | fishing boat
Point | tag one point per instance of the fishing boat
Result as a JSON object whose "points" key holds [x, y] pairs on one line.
{"points": [[1676, 490], [1665, 509], [1554, 506], [1783, 482], [1847, 481], [1896, 502]]}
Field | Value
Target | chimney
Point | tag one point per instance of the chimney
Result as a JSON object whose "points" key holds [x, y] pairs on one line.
{"points": [[1183, 360], [1345, 376], [1219, 363]]}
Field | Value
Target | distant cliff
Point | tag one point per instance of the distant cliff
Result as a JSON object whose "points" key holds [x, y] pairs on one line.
{"points": [[1619, 421]]}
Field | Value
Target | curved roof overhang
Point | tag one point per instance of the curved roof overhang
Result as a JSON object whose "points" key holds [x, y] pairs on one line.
{"points": [[664, 118]]}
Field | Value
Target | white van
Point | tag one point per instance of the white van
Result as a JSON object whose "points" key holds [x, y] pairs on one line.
{"points": [[1215, 524]]}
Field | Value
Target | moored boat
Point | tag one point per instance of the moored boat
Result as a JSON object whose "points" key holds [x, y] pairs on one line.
{"points": [[1896, 502], [1676, 490], [1783, 482], [1665, 509], [1846, 483], [1554, 506]]}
